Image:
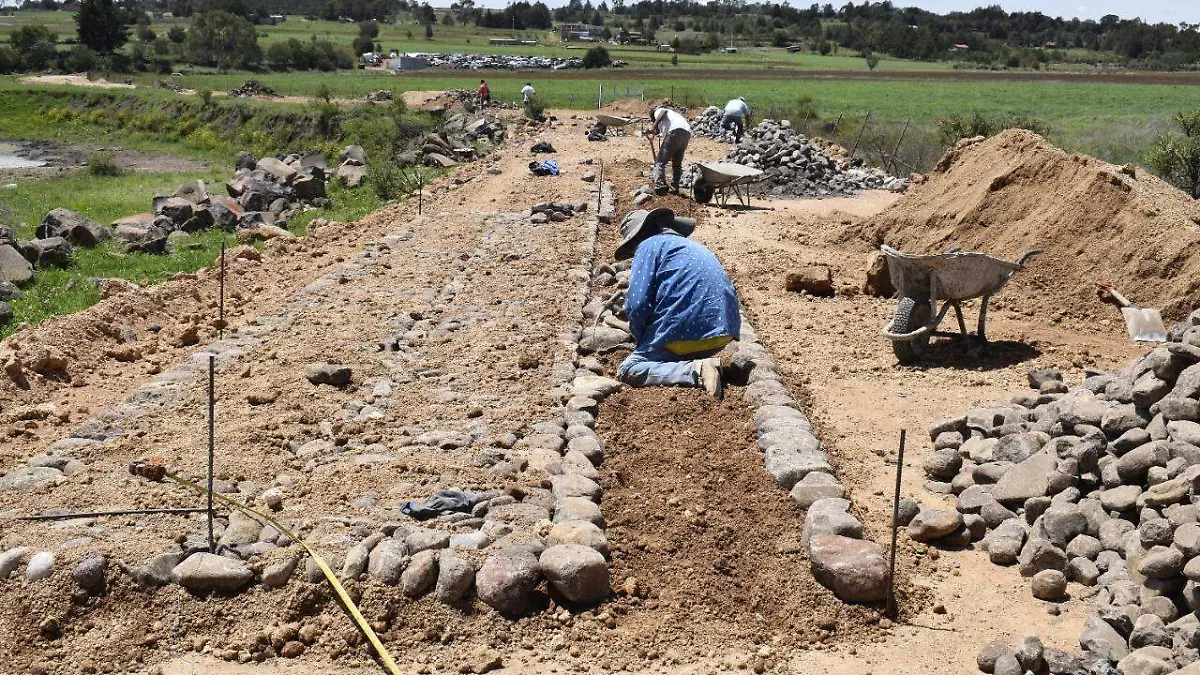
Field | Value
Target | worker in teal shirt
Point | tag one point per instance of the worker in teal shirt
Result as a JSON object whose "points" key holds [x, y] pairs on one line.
{"points": [[682, 306]]}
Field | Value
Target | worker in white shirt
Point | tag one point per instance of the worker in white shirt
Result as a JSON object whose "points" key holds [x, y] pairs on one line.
{"points": [[527, 92], [675, 133], [737, 117]]}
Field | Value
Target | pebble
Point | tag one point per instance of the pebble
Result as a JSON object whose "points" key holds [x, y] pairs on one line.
{"points": [[89, 573], [208, 573], [1049, 585], [41, 566]]}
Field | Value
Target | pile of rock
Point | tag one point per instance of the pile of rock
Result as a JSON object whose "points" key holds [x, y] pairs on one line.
{"points": [[1094, 485], [794, 166], [60, 231], [252, 88], [554, 212], [263, 192], [708, 124], [379, 96]]}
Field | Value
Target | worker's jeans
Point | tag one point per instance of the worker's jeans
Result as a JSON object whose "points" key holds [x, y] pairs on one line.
{"points": [[661, 368], [671, 150], [734, 122]]}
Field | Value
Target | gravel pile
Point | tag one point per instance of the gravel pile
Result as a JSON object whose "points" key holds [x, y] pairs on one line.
{"points": [[252, 88], [795, 166], [1093, 485]]}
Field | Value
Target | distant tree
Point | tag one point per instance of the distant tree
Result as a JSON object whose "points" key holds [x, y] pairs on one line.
{"points": [[102, 26], [223, 40], [369, 29], [428, 31], [144, 34], [825, 48], [447, 19], [780, 39], [34, 45], [674, 59], [871, 59], [408, 34], [177, 34], [362, 44], [596, 57]]}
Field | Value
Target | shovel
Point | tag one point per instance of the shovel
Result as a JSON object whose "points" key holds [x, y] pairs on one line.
{"points": [[1144, 324]]}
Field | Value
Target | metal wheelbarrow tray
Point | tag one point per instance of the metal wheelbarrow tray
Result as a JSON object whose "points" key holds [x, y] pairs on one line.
{"points": [[952, 278], [719, 178]]}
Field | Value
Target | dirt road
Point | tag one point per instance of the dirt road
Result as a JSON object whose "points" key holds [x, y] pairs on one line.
{"points": [[473, 306]]}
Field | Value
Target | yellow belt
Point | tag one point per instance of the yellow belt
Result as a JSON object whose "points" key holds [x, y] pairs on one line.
{"points": [[685, 347]]}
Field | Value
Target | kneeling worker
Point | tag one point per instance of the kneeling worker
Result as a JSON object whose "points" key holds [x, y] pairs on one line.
{"points": [[737, 118], [682, 307]]}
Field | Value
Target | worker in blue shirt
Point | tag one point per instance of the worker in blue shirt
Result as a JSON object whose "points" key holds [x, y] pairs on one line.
{"points": [[682, 306]]}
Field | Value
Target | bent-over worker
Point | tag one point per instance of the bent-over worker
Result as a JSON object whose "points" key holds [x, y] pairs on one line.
{"points": [[682, 307], [737, 118], [675, 133], [527, 93]]}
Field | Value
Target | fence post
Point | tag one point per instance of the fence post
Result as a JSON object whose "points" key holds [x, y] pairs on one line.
{"points": [[806, 116], [600, 100], [892, 159], [860, 134]]}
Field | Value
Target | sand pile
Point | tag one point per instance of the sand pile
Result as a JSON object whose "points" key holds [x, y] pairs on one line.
{"points": [[1096, 222]]}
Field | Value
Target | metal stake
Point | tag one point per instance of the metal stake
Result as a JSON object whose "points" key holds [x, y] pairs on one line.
{"points": [[860, 134], [221, 297], [118, 512], [212, 361], [891, 585], [599, 188], [420, 191]]}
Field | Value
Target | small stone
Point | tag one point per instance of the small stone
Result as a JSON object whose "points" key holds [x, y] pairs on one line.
{"points": [[1049, 585], [277, 574], [209, 573], [89, 573], [933, 524], [325, 373], [41, 566]]}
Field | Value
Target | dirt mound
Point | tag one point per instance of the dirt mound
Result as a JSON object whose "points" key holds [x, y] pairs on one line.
{"points": [[1096, 222]]}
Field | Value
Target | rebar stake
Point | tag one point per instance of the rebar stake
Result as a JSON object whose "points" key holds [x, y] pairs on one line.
{"points": [[891, 584], [212, 361], [221, 296]]}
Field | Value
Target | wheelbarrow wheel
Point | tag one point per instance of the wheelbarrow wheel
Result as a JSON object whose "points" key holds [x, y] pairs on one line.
{"points": [[911, 314], [702, 192]]}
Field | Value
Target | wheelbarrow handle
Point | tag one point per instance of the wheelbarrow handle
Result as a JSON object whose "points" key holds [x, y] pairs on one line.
{"points": [[1027, 255]]}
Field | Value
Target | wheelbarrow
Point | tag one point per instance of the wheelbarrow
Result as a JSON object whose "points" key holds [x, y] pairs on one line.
{"points": [[951, 278], [721, 178], [606, 122]]}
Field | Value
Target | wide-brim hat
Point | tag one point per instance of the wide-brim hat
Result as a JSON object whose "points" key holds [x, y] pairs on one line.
{"points": [[639, 224]]}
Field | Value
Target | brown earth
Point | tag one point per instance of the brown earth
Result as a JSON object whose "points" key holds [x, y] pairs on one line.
{"points": [[715, 590], [1095, 222]]}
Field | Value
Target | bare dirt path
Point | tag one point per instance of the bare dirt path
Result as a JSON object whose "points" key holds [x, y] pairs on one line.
{"points": [[471, 295]]}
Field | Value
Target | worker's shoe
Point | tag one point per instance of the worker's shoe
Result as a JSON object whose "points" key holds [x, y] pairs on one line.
{"points": [[708, 372], [661, 190]]}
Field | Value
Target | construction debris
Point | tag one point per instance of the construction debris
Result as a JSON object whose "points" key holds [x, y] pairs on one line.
{"points": [[252, 88]]}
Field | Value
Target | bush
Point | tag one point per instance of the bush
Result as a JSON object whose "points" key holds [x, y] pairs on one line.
{"points": [[10, 61], [103, 164], [535, 109], [206, 96], [324, 93], [597, 57], [955, 127], [1177, 158], [79, 60], [389, 181]]}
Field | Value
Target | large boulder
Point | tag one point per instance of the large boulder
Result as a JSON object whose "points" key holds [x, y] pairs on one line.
{"points": [[73, 227], [52, 251], [578, 572], [13, 266], [506, 580], [854, 569]]}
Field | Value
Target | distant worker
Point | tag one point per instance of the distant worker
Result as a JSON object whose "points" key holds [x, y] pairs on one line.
{"points": [[682, 307], [737, 117], [675, 133], [485, 94], [528, 93]]}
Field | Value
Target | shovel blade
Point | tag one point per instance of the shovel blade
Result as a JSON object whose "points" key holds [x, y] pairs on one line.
{"points": [[1145, 325]]}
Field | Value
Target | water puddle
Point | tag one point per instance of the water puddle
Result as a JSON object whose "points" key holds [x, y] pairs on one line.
{"points": [[9, 159]]}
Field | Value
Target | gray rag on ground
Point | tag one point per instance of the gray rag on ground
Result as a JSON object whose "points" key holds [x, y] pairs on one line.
{"points": [[442, 501]]}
